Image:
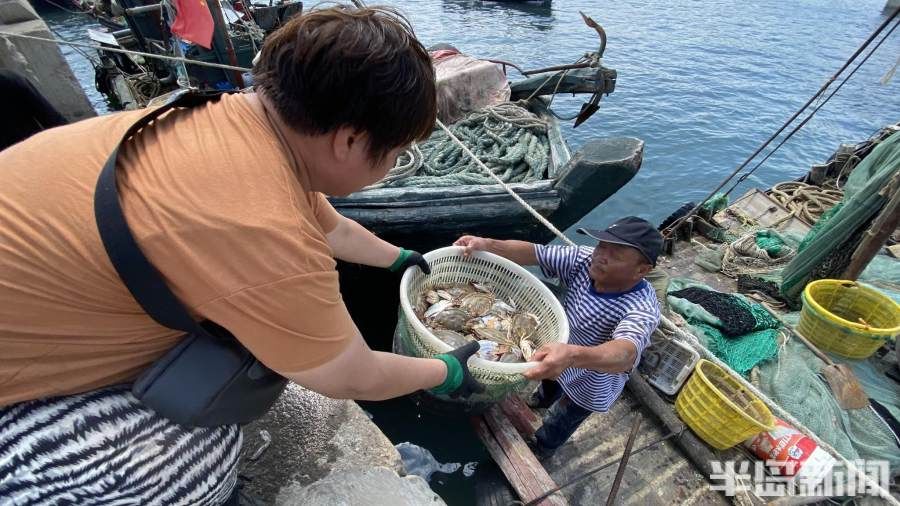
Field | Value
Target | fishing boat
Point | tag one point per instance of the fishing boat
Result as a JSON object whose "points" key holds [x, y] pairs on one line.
{"points": [[571, 186], [429, 217], [840, 430], [132, 81]]}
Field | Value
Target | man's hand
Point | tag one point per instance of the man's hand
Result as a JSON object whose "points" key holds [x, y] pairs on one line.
{"points": [[553, 359], [459, 382], [520, 252], [408, 258], [472, 243]]}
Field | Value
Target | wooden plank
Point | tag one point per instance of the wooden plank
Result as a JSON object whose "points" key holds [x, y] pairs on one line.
{"points": [[518, 453], [529, 480], [536, 477], [583, 80], [493, 447], [875, 237], [522, 417]]}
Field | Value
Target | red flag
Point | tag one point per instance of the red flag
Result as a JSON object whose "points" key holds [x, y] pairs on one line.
{"points": [[193, 22]]}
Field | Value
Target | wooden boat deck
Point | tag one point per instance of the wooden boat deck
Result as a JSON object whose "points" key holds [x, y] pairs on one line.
{"points": [[660, 475]]}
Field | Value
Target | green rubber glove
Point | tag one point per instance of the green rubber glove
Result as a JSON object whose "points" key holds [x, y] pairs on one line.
{"points": [[459, 381], [408, 258]]}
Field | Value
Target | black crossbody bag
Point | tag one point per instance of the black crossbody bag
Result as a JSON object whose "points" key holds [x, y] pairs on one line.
{"points": [[209, 378]]}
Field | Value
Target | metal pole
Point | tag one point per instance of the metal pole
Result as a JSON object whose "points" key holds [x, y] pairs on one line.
{"points": [[613, 492], [877, 235], [219, 18], [131, 11]]}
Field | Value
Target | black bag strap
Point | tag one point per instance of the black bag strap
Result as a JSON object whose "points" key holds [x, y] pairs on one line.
{"points": [[142, 279]]}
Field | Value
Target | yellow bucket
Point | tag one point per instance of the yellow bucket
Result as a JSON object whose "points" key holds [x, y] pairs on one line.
{"points": [[846, 318], [719, 409]]}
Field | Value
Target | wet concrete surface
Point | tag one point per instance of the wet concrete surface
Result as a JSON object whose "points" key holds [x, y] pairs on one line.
{"points": [[312, 437], [378, 485]]}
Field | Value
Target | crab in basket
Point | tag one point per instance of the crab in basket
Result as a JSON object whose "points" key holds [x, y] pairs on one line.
{"points": [[457, 313]]}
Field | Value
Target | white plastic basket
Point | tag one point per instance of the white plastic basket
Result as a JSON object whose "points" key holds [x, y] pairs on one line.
{"points": [[510, 282]]}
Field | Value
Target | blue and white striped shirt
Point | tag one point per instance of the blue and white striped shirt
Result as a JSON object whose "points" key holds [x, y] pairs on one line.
{"points": [[596, 318]]}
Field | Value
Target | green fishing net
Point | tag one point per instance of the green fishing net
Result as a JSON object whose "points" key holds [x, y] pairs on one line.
{"points": [[771, 242], [715, 204], [789, 374], [742, 353], [740, 333], [710, 259], [793, 381], [828, 246], [819, 226], [764, 319]]}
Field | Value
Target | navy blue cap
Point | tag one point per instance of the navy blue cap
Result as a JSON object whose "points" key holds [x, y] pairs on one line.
{"points": [[631, 231]]}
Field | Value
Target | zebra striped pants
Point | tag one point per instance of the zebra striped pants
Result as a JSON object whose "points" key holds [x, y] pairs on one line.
{"points": [[105, 447]]}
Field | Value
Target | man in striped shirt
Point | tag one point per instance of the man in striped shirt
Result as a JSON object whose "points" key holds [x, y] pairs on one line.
{"points": [[611, 308]]}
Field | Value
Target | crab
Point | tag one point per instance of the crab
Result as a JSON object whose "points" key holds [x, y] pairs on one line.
{"points": [[498, 336], [461, 312], [522, 326], [477, 303], [452, 319], [451, 337], [528, 348]]}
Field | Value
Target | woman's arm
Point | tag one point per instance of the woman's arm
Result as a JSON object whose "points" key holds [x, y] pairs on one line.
{"points": [[351, 242]]}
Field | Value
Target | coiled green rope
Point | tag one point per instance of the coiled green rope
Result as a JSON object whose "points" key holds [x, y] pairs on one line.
{"points": [[510, 140]]}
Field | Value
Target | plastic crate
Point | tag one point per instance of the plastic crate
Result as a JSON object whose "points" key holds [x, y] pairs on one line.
{"points": [[667, 364]]}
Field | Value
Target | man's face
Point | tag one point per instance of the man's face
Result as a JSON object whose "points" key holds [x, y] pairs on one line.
{"points": [[351, 168], [617, 265]]}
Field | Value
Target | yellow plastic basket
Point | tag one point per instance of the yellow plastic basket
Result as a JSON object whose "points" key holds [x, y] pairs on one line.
{"points": [[847, 318], [719, 409]]}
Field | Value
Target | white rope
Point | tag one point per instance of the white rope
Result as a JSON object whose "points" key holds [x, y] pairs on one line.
{"points": [[667, 325], [125, 51], [506, 187]]}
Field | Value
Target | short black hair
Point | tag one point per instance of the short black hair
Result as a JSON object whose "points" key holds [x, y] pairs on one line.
{"points": [[342, 66]]}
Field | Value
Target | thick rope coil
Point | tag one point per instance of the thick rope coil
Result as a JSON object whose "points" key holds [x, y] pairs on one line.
{"points": [[807, 202], [508, 138]]}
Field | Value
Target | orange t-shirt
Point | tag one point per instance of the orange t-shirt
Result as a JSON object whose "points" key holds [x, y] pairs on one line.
{"points": [[217, 205]]}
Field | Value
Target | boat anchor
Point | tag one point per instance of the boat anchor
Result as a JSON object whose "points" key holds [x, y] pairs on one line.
{"points": [[590, 107]]}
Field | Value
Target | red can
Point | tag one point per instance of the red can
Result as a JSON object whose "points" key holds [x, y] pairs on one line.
{"points": [[789, 452]]}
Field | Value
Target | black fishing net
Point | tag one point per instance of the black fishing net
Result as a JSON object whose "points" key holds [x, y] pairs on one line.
{"points": [[749, 283], [737, 319]]}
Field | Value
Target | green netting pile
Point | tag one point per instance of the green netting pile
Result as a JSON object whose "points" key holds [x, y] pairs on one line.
{"points": [[740, 354], [819, 225], [739, 332], [826, 249], [770, 242], [793, 381], [715, 204]]}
